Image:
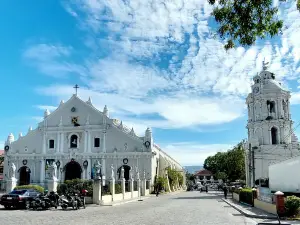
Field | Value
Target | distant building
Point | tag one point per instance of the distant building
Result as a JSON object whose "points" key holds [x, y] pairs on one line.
{"points": [[204, 176]]}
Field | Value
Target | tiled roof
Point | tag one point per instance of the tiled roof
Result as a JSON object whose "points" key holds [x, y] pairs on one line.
{"points": [[1, 152], [203, 172]]}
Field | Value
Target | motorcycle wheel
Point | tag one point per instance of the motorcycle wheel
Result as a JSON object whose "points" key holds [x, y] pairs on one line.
{"points": [[27, 205]]}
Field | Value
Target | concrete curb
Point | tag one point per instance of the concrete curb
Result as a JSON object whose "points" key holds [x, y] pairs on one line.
{"points": [[250, 215], [123, 202]]}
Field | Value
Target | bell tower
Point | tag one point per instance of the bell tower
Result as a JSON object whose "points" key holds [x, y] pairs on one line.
{"points": [[269, 124]]}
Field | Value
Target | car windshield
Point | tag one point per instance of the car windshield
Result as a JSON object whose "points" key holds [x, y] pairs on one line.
{"points": [[18, 192]]}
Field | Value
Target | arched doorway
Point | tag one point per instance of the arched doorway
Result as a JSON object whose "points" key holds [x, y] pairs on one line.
{"points": [[274, 135], [73, 170], [126, 171], [24, 172]]}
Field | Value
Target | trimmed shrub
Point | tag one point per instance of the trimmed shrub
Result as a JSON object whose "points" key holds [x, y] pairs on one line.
{"points": [[292, 205], [160, 182], [118, 189], [32, 186], [246, 196], [76, 185]]}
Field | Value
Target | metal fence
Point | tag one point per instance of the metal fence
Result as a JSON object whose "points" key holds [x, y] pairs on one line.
{"points": [[135, 188], [127, 186], [265, 195]]}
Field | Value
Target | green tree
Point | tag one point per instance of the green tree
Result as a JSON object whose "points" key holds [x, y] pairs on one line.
{"points": [[243, 21], [227, 165]]}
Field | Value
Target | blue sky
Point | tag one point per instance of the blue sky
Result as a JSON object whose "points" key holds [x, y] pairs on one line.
{"points": [[155, 65]]}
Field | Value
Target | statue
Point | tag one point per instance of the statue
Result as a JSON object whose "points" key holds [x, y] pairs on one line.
{"points": [[112, 171], [125, 147], [265, 65], [12, 171], [98, 169], [53, 168], [130, 174]]}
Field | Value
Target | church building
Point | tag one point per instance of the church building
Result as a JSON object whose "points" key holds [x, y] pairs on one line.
{"points": [[270, 128], [75, 136]]}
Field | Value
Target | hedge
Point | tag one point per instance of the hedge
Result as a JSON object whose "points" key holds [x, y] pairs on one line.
{"points": [[76, 185], [31, 186], [292, 205], [118, 189], [246, 196]]}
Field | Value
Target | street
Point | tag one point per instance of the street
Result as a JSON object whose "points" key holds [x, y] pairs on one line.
{"points": [[183, 208]]}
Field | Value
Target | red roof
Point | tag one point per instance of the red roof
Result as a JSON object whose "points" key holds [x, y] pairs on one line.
{"points": [[1, 152], [203, 172]]}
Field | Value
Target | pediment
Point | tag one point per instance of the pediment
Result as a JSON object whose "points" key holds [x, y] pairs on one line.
{"points": [[74, 109]]}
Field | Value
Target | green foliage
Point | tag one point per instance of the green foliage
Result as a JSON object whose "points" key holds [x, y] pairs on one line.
{"points": [[118, 189], [228, 165], [76, 185], [1, 159], [292, 205], [175, 177], [244, 21], [32, 186], [160, 182], [246, 196]]}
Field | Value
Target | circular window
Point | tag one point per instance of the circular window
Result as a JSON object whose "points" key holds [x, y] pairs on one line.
{"points": [[25, 149]]}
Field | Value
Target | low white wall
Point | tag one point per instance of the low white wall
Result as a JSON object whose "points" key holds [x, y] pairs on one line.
{"points": [[118, 197], [135, 194], [127, 195], [236, 197], [88, 200], [106, 198], [147, 192]]}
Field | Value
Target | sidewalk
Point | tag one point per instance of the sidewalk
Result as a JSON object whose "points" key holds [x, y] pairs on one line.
{"points": [[249, 211]]}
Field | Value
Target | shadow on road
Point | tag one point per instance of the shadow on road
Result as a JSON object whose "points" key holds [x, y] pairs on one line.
{"points": [[200, 197]]}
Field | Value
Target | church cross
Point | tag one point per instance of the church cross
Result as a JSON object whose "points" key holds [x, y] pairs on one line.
{"points": [[76, 87]]}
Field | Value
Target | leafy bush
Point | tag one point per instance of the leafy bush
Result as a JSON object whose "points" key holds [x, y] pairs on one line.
{"points": [[292, 205], [118, 189], [160, 182], [246, 196], [105, 190], [174, 177], [76, 185], [32, 186]]}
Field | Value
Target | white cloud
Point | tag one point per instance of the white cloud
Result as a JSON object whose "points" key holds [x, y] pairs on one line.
{"points": [[198, 83], [192, 153], [175, 112]]}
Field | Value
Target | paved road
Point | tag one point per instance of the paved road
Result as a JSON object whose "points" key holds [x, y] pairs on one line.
{"points": [[180, 209]]}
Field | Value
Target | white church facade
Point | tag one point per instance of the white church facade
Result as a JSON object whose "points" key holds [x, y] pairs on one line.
{"points": [[75, 137], [270, 128]]}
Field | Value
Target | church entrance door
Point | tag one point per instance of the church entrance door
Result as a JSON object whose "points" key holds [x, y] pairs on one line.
{"points": [[73, 170], [24, 175]]}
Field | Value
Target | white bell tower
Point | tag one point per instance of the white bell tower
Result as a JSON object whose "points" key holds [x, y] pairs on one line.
{"points": [[270, 128]]}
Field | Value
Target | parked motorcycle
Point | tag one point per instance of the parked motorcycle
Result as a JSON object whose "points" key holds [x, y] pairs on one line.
{"points": [[67, 200], [80, 201], [40, 202]]}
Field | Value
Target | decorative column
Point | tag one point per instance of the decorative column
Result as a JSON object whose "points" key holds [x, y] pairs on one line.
{"points": [[103, 142], [143, 192], [85, 141], [62, 142], [44, 143], [58, 143], [131, 180], [89, 142], [42, 171], [89, 169], [122, 182], [103, 170], [97, 191]]}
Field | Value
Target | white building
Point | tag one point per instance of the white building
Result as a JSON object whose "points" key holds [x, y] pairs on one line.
{"points": [[270, 128], [75, 136]]}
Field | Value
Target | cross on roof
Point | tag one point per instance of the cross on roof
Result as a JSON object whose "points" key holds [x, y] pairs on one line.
{"points": [[76, 87]]}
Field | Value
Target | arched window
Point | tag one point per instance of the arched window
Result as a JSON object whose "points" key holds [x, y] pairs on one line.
{"points": [[274, 135], [74, 141]]}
